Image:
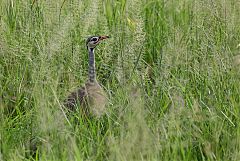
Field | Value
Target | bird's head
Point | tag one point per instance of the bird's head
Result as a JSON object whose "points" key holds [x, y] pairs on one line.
{"points": [[93, 41]]}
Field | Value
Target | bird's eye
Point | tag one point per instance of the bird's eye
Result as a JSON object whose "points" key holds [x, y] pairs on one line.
{"points": [[94, 39]]}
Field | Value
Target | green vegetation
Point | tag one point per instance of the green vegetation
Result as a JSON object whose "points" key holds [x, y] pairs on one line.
{"points": [[170, 70]]}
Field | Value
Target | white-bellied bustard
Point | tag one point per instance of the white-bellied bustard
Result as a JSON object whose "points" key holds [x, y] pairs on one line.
{"points": [[91, 97]]}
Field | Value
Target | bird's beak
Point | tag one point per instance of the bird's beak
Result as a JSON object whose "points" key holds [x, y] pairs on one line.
{"points": [[103, 37]]}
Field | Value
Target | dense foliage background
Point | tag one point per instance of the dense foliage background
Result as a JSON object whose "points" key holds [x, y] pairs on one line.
{"points": [[170, 69]]}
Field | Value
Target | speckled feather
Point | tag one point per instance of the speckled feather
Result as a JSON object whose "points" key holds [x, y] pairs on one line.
{"points": [[75, 98], [91, 98]]}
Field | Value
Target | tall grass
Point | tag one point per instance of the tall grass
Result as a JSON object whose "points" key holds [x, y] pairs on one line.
{"points": [[170, 70]]}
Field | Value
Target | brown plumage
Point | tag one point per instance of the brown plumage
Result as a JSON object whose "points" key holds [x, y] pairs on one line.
{"points": [[91, 97]]}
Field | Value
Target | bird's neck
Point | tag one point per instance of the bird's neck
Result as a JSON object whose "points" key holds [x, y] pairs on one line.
{"points": [[91, 71]]}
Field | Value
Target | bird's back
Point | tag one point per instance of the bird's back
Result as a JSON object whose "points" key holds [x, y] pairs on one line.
{"points": [[91, 98], [76, 98]]}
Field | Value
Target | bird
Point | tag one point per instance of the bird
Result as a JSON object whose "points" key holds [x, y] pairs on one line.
{"points": [[91, 96]]}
